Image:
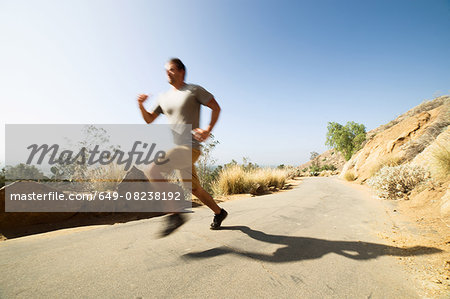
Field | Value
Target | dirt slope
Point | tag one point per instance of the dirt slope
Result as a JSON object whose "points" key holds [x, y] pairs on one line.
{"points": [[413, 138], [401, 140]]}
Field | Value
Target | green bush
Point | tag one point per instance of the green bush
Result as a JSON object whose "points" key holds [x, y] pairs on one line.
{"points": [[314, 170], [328, 167], [23, 172], [2, 177]]}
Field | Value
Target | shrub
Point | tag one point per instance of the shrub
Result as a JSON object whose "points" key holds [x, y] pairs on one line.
{"points": [[207, 173], [440, 161], [236, 179], [230, 181], [106, 177], [388, 160], [22, 172], [394, 182], [349, 176], [329, 167], [314, 170], [2, 177]]}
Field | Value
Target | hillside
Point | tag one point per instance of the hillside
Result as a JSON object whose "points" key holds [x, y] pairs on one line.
{"points": [[330, 157], [410, 158], [410, 139], [402, 139]]}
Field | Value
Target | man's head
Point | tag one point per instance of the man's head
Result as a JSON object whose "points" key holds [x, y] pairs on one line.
{"points": [[176, 71]]}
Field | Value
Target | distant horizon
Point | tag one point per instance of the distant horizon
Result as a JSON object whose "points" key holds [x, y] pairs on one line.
{"points": [[240, 161]]}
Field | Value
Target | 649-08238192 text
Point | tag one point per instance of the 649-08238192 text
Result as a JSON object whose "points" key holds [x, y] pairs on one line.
{"points": [[90, 196]]}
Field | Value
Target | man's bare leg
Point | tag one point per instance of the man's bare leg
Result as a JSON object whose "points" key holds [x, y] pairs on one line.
{"points": [[175, 219], [207, 199]]}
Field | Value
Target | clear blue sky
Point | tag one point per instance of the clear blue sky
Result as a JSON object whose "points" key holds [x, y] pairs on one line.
{"points": [[279, 69]]}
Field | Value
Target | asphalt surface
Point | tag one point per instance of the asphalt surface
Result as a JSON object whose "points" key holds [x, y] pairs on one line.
{"points": [[318, 240]]}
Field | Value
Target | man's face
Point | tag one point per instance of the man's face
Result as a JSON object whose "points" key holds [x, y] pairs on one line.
{"points": [[174, 75]]}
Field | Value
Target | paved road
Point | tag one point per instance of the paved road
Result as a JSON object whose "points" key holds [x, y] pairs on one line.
{"points": [[315, 241]]}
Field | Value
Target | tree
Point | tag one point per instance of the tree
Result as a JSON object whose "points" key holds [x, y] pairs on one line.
{"points": [[314, 155], [22, 172], [92, 136], [346, 139], [2, 177]]}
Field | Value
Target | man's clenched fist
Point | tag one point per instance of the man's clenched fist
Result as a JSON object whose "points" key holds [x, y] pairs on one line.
{"points": [[142, 98]]}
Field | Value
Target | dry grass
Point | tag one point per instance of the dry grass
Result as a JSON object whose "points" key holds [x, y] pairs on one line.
{"points": [[429, 105], [440, 161], [425, 106], [349, 176], [415, 147], [388, 160], [394, 182], [236, 180], [106, 177]]}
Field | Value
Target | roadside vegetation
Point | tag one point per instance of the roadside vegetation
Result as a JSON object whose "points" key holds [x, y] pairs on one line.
{"points": [[397, 182], [239, 178], [349, 176], [388, 160], [440, 161], [230, 178], [318, 167], [69, 175], [2, 177]]}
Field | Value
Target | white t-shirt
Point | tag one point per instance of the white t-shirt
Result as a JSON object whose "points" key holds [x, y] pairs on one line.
{"points": [[182, 107]]}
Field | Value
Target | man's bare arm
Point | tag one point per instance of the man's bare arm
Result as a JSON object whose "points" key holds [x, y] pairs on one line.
{"points": [[149, 117], [214, 115], [202, 135]]}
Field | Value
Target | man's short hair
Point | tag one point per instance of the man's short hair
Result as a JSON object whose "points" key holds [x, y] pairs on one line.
{"points": [[178, 63]]}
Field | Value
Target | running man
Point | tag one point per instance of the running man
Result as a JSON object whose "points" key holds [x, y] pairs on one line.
{"points": [[181, 105]]}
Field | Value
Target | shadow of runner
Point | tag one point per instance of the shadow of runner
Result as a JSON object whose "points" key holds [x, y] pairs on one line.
{"points": [[303, 248], [78, 220]]}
